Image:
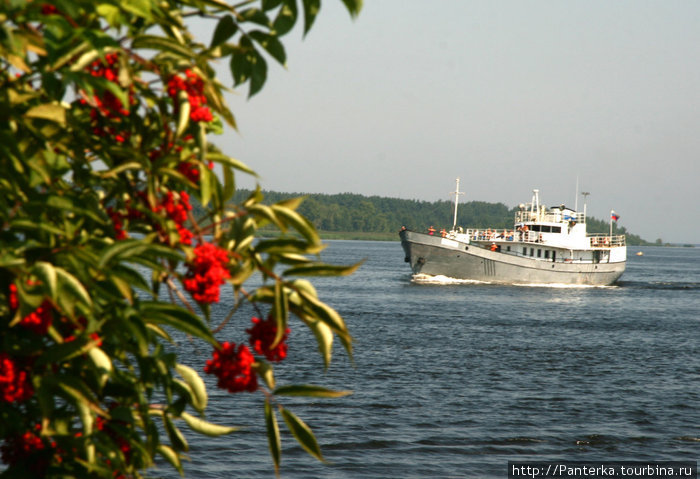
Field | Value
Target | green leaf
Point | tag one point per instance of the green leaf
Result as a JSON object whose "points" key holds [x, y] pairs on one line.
{"points": [[325, 313], [46, 273], [27, 224], [273, 435], [264, 212], [129, 248], [153, 42], [322, 269], [280, 312], [298, 222], [324, 339], [195, 382], [286, 18], [68, 285], [171, 456], [229, 183], [258, 73], [353, 6], [255, 15], [302, 433], [78, 391], [241, 66], [271, 45], [114, 172], [183, 119], [69, 204], [85, 59], [270, 4], [66, 351], [121, 249], [265, 371], [309, 390], [129, 276], [9, 260], [176, 317], [102, 362], [226, 160], [207, 428], [311, 9], [140, 8], [225, 29], [49, 111], [177, 439], [285, 244]]}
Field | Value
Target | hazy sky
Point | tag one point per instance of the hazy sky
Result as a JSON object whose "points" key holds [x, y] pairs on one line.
{"points": [[507, 95]]}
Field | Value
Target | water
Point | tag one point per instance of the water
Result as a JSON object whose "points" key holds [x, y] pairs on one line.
{"points": [[455, 380]]}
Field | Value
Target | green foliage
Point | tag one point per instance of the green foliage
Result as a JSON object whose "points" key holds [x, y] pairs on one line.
{"points": [[106, 109]]}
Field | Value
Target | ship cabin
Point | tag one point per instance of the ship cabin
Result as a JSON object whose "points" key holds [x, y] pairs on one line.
{"points": [[556, 234]]}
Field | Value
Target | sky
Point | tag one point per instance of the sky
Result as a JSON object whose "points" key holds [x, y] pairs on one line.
{"points": [[507, 95]]}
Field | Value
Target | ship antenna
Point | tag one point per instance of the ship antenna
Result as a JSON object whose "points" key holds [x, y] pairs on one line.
{"points": [[456, 193], [585, 200]]}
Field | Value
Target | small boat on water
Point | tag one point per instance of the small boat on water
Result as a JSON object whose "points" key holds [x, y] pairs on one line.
{"points": [[545, 246]]}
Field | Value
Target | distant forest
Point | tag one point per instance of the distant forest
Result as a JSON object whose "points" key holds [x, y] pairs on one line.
{"points": [[380, 217]]}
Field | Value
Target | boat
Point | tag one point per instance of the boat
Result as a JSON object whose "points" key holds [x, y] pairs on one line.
{"points": [[545, 246]]}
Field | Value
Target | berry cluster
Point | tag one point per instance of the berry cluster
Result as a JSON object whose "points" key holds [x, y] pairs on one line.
{"points": [[193, 86], [206, 273], [39, 320], [105, 426], [190, 169], [175, 206], [15, 384], [233, 367], [106, 105], [118, 223], [29, 448], [176, 209], [262, 337], [48, 9]]}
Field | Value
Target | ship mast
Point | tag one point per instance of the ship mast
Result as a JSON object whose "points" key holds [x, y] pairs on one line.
{"points": [[456, 193]]}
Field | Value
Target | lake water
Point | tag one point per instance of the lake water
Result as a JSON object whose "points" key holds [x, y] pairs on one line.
{"points": [[455, 380]]}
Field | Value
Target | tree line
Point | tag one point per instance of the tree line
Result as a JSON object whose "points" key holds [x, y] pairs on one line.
{"points": [[355, 213]]}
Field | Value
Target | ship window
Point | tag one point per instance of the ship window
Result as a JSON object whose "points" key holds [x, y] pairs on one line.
{"points": [[532, 251], [524, 251], [556, 229], [539, 253], [554, 255], [546, 254], [507, 248]]}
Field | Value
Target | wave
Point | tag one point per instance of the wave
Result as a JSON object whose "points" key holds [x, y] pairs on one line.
{"points": [[443, 280], [446, 280], [661, 285]]}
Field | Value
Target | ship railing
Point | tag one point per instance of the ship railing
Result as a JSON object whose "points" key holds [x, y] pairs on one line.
{"points": [[606, 241], [555, 216], [476, 234], [487, 234]]}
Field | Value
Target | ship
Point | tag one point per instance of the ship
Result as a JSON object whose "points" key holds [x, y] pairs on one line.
{"points": [[546, 246]]}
